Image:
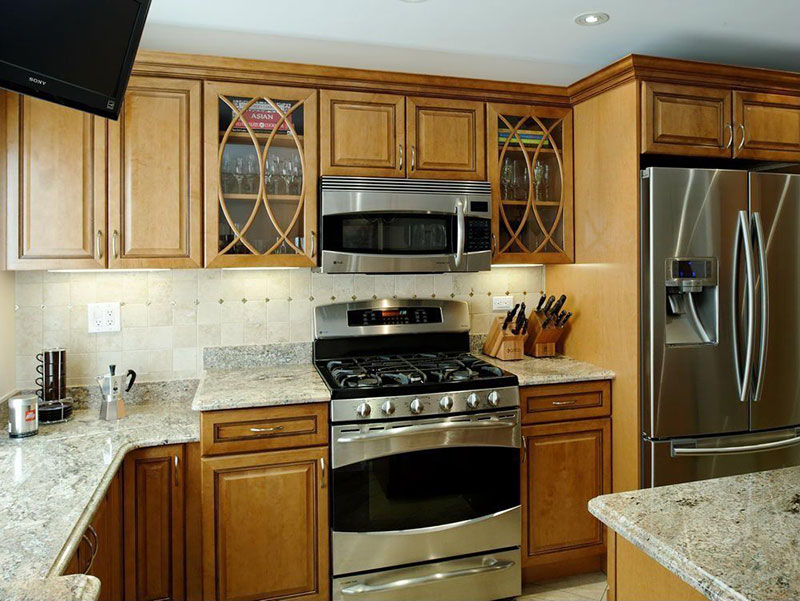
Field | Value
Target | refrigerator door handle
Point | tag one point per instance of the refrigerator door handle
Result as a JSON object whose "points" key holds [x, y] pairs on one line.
{"points": [[690, 451], [743, 238], [764, 333]]}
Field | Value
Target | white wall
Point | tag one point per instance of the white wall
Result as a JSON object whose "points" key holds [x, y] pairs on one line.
{"points": [[7, 362], [168, 317]]}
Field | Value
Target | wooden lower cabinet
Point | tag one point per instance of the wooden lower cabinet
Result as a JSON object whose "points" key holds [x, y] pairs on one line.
{"points": [[100, 550], [564, 465], [154, 523], [265, 525]]}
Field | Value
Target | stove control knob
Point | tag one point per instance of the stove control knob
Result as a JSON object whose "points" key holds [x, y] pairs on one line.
{"points": [[446, 403], [388, 408], [416, 406], [363, 410], [493, 398], [473, 401]]}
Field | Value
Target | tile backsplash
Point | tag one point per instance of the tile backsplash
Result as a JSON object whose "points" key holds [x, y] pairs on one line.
{"points": [[168, 317]]}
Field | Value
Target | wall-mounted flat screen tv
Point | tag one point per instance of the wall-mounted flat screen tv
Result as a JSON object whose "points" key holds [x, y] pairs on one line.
{"points": [[75, 52]]}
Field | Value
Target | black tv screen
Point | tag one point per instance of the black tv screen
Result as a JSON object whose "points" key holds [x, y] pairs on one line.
{"points": [[75, 52]]}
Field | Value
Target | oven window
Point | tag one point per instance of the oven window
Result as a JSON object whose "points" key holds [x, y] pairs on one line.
{"points": [[390, 233], [425, 488]]}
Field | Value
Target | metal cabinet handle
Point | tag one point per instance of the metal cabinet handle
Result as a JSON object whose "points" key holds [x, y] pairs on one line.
{"points": [[94, 544], [364, 588], [413, 158], [743, 238], [764, 275], [272, 429], [524, 448], [751, 448], [176, 470], [741, 142], [570, 402], [412, 430], [98, 244], [400, 164], [313, 243], [494, 245], [114, 251], [729, 127], [322, 467]]}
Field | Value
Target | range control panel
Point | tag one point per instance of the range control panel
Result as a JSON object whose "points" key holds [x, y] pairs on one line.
{"points": [[394, 316]]}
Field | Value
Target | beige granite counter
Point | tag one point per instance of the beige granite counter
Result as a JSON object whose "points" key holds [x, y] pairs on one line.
{"points": [[732, 539], [551, 370], [260, 387]]}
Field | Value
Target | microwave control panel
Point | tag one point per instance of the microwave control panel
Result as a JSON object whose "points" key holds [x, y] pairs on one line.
{"points": [[479, 234]]}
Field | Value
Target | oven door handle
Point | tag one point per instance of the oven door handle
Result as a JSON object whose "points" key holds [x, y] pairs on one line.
{"points": [[411, 430], [363, 588], [461, 232]]}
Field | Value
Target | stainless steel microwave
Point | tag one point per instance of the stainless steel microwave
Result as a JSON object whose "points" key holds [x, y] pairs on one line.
{"points": [[388, 225]]}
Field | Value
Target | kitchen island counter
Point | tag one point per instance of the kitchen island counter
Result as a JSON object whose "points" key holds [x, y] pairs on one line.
{"points": [[731, 539]]}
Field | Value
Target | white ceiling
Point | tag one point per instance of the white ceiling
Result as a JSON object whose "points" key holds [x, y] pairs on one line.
{"points": [[518, 40]]}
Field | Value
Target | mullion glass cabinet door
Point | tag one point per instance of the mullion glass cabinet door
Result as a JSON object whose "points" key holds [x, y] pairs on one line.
{"points": [[530, 169], [261, 176]]}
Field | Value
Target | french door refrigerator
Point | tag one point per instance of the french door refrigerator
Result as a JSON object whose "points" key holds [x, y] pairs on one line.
{"points": [[720, 332]]}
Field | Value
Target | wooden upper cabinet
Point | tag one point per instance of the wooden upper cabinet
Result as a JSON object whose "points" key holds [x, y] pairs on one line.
{"points": [[56, 186], [445, 139], [154, 524], [155, 176], [565, 465], [767, 126], [261, 175], [362, 134], [686, 120], [265, 526]]}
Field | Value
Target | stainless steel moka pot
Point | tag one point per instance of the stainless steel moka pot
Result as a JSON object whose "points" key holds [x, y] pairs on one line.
{"points": [[112, 387]]}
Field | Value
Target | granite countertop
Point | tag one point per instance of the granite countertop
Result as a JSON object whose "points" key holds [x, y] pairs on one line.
{"points": [[54, 482], [551, 370], [260, 387], [733, 539]]}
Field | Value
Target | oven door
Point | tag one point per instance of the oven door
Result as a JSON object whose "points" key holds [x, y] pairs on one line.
{"points": [[424, 489]]}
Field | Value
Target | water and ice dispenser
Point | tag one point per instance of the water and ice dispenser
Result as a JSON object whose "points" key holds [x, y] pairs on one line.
{"points": [[692, 301]]}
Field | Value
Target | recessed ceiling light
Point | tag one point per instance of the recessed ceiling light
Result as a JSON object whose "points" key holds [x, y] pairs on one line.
{"points": [[590, 19]]}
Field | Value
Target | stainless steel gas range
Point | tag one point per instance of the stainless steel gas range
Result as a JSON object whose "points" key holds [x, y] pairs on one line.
{"points": [[425, 437]]}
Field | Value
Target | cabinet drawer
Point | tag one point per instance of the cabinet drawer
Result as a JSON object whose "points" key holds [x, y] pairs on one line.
{"points": [[263, 429], [559, 402]]}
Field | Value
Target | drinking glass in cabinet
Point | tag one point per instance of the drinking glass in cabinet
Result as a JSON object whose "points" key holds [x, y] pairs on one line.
{"points": [[226, 176], [506, 177], [251, 175]]}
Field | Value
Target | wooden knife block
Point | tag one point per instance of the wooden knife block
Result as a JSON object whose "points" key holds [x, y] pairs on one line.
{"points": [[502, 343], [541, 343]]}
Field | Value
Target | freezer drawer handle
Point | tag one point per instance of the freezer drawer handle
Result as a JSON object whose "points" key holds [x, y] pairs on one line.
{"points": [[490, 566], [751, 448]]}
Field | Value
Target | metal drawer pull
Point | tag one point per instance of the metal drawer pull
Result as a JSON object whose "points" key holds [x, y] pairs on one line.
{"points": [[362, 588], [272, 429], [752, 448], [570, 402], [411, 430]]}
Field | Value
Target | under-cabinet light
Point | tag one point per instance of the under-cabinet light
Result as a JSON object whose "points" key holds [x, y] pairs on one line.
{"points": [[102, 270]]}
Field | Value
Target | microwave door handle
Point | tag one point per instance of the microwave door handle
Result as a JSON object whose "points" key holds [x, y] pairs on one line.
{"points": [[743, 238], [764, 334], [461, 227], [364, 588]]}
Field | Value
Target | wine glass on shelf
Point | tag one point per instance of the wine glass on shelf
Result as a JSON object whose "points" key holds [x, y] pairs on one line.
{"points": [[506, 175], [269, 176], [251, 175], [238, 173], [226, 175], [538, 179]]}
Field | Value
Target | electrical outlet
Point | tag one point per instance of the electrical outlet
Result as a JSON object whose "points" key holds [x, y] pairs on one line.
{"points": [[103, 317], [502, 303]]}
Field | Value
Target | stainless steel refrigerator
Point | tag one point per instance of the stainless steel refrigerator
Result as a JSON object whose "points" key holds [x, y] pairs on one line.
{"points": [[720, 323]]}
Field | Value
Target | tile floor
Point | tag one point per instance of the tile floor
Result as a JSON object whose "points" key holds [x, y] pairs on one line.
{"points": [[591, 587]]}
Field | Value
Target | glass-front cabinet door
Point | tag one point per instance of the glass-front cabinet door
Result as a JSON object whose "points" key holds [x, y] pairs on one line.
{"points": [[530, 168], [261, 176]]}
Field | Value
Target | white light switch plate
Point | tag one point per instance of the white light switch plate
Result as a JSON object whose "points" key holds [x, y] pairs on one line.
{"points": [[103, 317], [502, 303]]}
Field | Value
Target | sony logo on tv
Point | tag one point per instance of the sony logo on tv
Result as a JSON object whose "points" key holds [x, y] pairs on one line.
{"points": [[40, 82]]}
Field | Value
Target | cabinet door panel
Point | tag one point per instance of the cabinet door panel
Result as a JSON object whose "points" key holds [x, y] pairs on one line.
{"points": [[446, 139], [771, 126], [565, 465], [107, 523], [362, 134], [265, 526], [686, 120], [56, 170], [154, 525], [156, 176]]}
